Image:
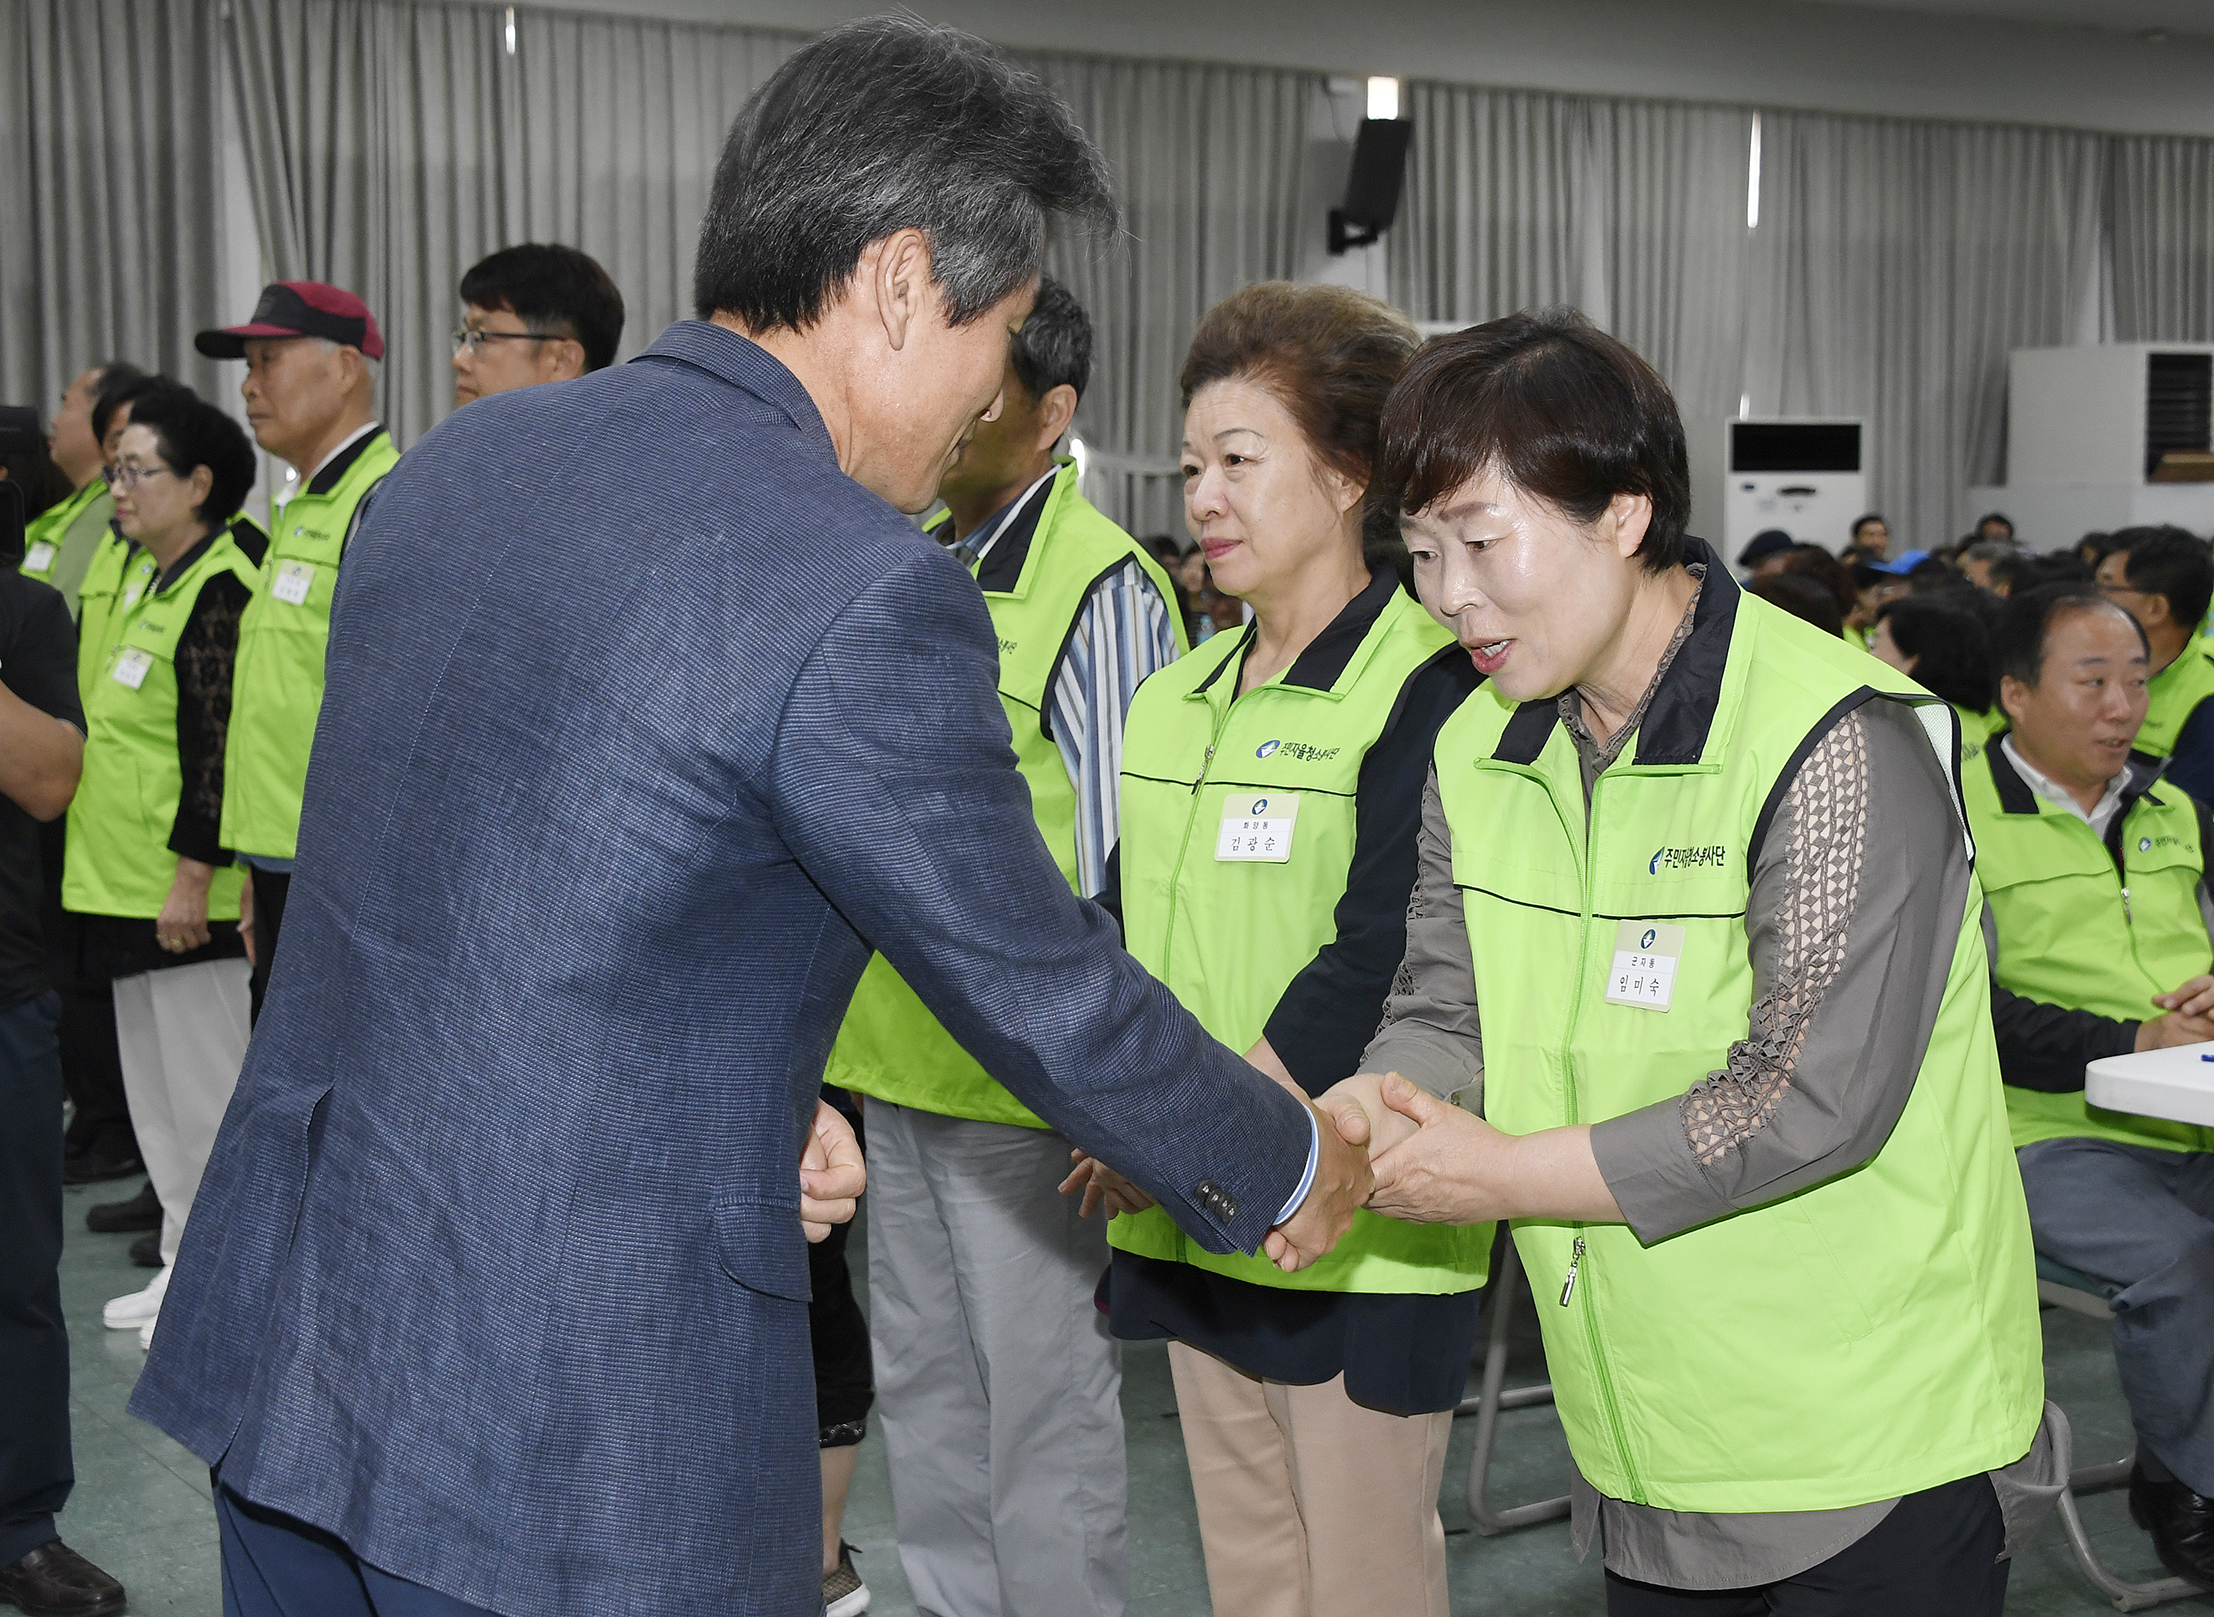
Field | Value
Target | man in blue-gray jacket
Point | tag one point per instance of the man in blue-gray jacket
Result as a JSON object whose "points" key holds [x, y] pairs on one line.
{"points": [[648, 716]]}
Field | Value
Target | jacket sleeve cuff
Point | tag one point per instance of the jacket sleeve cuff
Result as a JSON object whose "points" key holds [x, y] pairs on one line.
{"points": [[1647, 1163]]}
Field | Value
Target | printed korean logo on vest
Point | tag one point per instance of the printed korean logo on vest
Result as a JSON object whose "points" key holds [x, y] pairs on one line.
{"points": [[1297, 751], [2147, 844], [1711, 857]]}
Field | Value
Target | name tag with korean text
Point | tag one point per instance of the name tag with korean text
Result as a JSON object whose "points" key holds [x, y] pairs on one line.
{"points": [[1258, 830], [39, 557], [131, 665], [1645, 959], [292, 581]]}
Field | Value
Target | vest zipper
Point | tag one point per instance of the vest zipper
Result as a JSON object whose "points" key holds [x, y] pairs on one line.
{"points": [[1568, 1286]]}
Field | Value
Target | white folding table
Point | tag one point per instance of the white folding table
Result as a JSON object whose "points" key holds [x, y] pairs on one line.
{"points": [[2176, 1084]]}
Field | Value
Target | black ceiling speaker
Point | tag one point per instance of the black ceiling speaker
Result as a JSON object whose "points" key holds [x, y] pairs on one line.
{"points": [[1372, 185]]}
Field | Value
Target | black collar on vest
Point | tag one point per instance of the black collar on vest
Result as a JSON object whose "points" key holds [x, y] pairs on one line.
{"points": [[2017, 797], [1318, 667], [1678, 719], [1002, 569], [327, 476]]}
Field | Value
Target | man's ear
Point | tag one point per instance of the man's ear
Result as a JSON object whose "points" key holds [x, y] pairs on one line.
{"points": [[568, 356], [897, 269], [2157, 611], [2013, 697], [1055, 413]]}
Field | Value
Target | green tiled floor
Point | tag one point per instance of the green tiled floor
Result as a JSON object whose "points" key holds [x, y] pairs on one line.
{"points": [[141, 1506]]}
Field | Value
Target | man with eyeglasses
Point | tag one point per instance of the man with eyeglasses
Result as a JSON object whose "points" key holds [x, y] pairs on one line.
{"points": [[2163, 577], [311, 400], [535, 313]]}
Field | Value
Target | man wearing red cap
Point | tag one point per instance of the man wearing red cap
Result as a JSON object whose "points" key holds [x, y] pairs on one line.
{"points": [[311, 400]]}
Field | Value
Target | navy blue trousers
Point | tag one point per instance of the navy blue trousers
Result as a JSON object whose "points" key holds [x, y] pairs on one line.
{"points": [[276, 1565], [35, 1472]]}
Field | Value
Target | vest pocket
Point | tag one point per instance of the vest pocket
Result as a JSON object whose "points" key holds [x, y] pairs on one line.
{"points": [[761, 1247]]}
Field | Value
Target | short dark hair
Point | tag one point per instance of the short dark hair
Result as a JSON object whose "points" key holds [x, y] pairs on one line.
{"points": [[1054, 347], [188, 432], [1865, 518], [885, 125], [1802, 597], [1945, 636], [2171, 562], [1817, 563], [1557, 407], [2000, 517], [2018, 650], [119, 384], [553, 289]]}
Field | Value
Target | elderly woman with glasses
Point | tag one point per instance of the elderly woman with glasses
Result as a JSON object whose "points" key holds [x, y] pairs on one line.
{"points": [[145, 866]]}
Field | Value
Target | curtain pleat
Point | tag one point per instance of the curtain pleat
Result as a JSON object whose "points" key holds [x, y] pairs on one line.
{"points": [[2163, 239]]}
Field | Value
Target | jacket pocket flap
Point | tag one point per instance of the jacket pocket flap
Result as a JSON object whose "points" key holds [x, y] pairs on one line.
{"points": [[762, 1247]]}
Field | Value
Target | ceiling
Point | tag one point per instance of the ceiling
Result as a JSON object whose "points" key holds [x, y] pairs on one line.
{"points": [[2120, 16]]}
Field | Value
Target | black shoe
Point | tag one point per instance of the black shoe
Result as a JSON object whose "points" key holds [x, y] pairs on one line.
{"points": [[141, 1212], [94, 1169], [146, 1251], [55, 1581], [2181, 1524]]}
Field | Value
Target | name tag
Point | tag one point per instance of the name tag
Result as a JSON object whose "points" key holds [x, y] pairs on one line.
{"points": [[1258, 830], [39, 557], [131, 595], [131, 666], [292, 581], [1645, 958]]}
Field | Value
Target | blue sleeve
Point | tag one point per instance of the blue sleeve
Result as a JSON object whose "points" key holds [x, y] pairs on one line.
{"points": [[2191, 766], [893, 784]]}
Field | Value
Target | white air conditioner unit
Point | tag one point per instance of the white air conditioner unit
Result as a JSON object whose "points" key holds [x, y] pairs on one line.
{"points": [[1803, 474]]}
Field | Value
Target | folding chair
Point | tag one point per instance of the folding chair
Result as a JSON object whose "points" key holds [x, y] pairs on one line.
{"points": [[1506, 1285], [2062, 1287]]}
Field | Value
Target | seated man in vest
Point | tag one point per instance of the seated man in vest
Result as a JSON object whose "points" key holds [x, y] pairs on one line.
{"points": [[2164, 578], [2096, 918], [1017, 1368], [539, 312], [311, 400]]}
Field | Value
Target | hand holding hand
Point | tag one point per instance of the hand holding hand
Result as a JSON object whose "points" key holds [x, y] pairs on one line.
{"points": [[1101, 1184], [1363, 1092], [1457, 1169], [832, 1174], [2176, 1027], [1342, 1183], [2195, 1000]]}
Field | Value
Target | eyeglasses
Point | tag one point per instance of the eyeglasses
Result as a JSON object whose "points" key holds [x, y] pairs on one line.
{"points": [[131, 476], [474, 341]]}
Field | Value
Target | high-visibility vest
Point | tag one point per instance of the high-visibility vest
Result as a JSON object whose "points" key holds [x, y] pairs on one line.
{"points": [[1238, 829], [1866, 1338], [890, 1046], [58, 543], [278, 688], [119, 574], [2172, 696]]}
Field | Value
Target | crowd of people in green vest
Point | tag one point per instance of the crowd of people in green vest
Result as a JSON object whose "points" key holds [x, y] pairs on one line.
{"points": [[1733, 947]]}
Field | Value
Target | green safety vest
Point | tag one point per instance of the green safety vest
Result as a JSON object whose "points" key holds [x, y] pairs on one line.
{"points": [[1203, 767], [890, 1046], [117, 859], [59, 543], [278, 686], [2172, 697], [118, 575], [1975, 732], [2090, 926], [1865, 1338]]}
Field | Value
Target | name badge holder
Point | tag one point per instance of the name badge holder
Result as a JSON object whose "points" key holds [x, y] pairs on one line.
{"points": [[131, 666], [293, 580], [39, 557], [1257, 829], [1645, 958]]}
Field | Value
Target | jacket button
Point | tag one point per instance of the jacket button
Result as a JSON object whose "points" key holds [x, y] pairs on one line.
{"points": [[1216, 1199]]}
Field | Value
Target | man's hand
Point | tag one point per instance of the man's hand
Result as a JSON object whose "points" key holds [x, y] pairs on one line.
{"points": [[1386, 1128], [1457, 1169], [183, 923], [1342, 1183], [2177, 1027], [832, 1174], [2195, 999], [1102, 1185]]}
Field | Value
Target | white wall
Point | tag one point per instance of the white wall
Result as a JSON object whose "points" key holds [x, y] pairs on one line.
{"points": [[1793, 53]]}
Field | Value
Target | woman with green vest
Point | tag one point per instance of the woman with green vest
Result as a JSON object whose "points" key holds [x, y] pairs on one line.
{"points": [[1270, 782], [1698, 909], [1938, 641], [145, 866]]}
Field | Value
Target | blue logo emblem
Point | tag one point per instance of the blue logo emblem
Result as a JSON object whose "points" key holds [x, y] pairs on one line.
{"points": [[1265, 748], [1646, 942], [2144, 844], [1260, 805], [1654, 868]]}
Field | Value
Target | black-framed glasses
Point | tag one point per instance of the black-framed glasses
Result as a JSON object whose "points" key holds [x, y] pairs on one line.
{"points": [[474, 341]]}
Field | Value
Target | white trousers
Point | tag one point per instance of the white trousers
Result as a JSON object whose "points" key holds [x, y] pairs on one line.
{"points": [[182, 1036]]}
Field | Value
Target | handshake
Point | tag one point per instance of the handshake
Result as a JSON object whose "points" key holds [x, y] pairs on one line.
{"points": [[1385, 1145]]}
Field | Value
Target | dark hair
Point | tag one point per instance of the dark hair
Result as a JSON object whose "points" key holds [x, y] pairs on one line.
{"points": [[555, 290], [1999, 517], [1933, 575], [2171, 562], [2018, 650], [1330, 356], [44, 485], [1802, 597], [189, 432], [1989, 549], [1557, 407], [885, 125], [1816, 562], [1865, 518], [2027, 570], [1054, 346], [2097, 541], [1946, 638], [119, 385]]}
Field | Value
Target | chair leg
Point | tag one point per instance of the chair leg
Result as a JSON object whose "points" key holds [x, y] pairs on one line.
{"points": [[2124, 1595], [1506, 1280]]}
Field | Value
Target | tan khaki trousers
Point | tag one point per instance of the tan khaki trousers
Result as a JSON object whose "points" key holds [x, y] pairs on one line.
{"points": [[1309, 1504]]}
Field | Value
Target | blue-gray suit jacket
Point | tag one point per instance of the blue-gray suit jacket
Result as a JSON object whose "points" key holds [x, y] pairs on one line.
{"points": [[644, 724]]}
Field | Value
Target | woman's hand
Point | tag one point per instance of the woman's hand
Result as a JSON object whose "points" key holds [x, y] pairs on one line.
{"points": [[1100, 1184], [182, 925]]}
